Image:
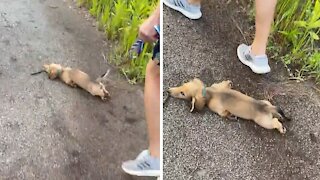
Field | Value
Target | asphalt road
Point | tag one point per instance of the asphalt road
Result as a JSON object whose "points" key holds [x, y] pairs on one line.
{"points": [[47, 129], [202, 145]]}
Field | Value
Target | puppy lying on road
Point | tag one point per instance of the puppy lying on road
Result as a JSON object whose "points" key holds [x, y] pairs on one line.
{"points": [[223, 100], [75, 77]]}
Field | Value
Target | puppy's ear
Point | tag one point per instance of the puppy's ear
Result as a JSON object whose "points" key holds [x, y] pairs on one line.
{"points": [[200, 102], [52, 73], [193, 101], [197, 102]]}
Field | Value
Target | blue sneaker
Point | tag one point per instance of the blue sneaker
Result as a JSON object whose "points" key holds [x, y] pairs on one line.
{"points": [[136, 49], [258, 64], [143, 165], [189, 10]]}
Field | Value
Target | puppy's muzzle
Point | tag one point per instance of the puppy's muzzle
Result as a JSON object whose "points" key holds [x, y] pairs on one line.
{"points": [[169, 91]]}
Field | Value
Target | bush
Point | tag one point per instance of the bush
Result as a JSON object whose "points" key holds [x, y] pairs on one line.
{"points": [[120, 20], [296, 35]]}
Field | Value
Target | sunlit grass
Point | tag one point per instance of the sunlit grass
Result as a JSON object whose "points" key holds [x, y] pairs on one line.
{"points": [[296, 34], [120, 20]]}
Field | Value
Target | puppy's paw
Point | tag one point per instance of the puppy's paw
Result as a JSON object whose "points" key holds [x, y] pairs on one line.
{"points": [[283, 130], [192, 104], [229, 83], [105, 94], [192, 108], [232, 117], [72, 84]]}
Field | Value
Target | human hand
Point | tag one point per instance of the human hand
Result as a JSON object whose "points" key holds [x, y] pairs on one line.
{"points": [[146, 31]]}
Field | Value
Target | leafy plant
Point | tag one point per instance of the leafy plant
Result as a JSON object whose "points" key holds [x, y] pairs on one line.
{"points": [[120, 20], [296, 33]]}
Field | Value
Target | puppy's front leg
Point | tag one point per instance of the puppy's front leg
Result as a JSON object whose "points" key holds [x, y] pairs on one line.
{"points": [[232, 117], [223, 113], [72, 84], [192, 104]]}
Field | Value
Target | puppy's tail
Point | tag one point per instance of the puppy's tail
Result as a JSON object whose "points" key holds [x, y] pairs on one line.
{"points": [[278, 111]]}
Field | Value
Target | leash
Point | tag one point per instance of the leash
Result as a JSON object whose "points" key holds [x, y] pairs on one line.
{"points": [[35, 73], [59, 71]]}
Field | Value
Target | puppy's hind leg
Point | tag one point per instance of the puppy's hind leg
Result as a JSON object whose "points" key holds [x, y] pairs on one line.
{"points": [[72, 84], [68, 81], [217, 108], [224, 113], [270, 123], [232, 117], [278, 125]]}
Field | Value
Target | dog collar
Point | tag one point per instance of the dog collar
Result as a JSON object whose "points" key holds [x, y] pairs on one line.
{"points": [[204, 92], [59, 72]]}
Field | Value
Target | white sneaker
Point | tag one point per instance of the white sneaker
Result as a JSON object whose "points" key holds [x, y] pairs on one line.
{"points": [[258, 64], [143, 165]]}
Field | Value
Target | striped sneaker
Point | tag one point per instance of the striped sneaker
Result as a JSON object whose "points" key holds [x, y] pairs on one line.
{"points": [[258, 64], [143, 165]]}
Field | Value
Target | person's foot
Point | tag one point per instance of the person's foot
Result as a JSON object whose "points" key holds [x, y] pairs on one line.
{"points": [[143, 165], [189, 10], [258, 64]]}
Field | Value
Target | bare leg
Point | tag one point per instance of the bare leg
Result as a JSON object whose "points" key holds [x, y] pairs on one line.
{"points": [[267, 102], [152, 107], [264, 18], [195, 2]]}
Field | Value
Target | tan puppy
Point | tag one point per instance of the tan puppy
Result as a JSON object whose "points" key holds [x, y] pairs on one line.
{"points": [[224, 101], [75, 77]]}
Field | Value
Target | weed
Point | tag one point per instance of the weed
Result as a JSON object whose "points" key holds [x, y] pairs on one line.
{"points": [[120, 20], [296, 34]]}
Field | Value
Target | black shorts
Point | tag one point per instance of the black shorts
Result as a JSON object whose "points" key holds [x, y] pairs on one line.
{"points": [[156, 52]]}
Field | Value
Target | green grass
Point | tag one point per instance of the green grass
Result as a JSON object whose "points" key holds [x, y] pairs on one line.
{"points": [[120, 20], [295, 37]]}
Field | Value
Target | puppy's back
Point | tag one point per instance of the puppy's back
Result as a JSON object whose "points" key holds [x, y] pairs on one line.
{"points": [[80, 78], [238, 103]]}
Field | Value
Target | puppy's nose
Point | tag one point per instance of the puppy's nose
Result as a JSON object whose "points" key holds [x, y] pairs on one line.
{"points": [[106, 94]]}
